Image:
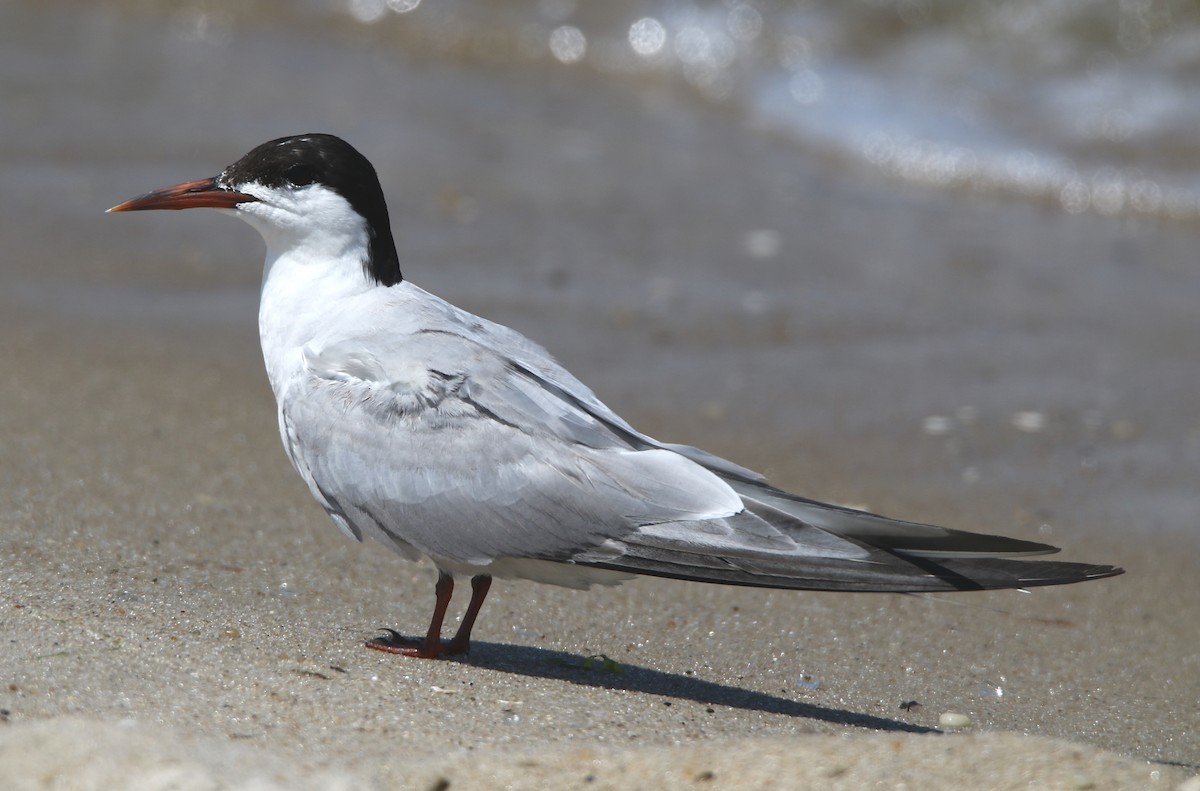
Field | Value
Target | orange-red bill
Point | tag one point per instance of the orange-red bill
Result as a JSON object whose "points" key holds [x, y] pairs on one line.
{"points": [[204, 193]]}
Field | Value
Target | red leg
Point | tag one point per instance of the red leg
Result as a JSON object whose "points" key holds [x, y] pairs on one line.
{"points": [[461, 644], [431, 647]]}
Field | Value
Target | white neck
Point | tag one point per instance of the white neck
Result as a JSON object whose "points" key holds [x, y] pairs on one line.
{"points": [[316, 248]]}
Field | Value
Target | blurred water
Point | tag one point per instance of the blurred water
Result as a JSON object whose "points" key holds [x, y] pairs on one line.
{"points": [[1092, 107]]}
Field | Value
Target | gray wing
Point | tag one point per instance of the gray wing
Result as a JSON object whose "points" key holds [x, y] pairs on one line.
{"points": [[474, 449], [450, 448]]}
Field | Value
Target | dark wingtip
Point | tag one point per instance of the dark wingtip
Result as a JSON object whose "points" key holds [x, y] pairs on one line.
{"points": [[1100, 572], [1067, 573]]}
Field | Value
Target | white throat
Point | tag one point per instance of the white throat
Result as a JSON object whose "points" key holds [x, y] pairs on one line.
{"points": [[317, 247]]}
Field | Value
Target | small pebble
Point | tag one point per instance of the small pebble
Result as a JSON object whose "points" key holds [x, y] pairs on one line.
{"points": [[762, 243], [937, 425], [1029, 421], [954, 720]]}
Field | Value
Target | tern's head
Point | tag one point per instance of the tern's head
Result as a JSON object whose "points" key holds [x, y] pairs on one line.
{"points": [[314, 191]]}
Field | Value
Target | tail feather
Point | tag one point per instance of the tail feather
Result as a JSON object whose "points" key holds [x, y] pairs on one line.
{"points": [[900, 575], [782, 540]]}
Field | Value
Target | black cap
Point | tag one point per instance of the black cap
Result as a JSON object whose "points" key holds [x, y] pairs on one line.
{"points": [[327, 160]]}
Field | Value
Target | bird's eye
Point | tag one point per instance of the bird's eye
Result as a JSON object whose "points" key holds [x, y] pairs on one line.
{"points": [[300, 175]]}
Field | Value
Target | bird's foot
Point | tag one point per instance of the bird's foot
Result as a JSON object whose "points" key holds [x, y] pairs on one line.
{"points": [[395, 643]]}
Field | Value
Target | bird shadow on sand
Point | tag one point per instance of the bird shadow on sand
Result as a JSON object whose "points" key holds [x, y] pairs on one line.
{"points": [[562, 666]]}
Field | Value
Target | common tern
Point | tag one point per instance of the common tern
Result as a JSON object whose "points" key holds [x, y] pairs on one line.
{"points": [[444, 435]]}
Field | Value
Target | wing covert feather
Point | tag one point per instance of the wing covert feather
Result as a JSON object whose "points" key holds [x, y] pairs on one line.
{"points": [[480, 465]]}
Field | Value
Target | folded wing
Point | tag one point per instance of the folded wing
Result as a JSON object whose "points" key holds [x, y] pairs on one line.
{"points": [[477, 447]]}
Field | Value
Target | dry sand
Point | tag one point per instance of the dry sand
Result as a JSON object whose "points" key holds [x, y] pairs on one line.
{"points": [[88, 754], [180, 615]]}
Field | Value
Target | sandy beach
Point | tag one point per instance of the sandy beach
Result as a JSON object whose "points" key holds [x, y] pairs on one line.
{"points": [[181, 616], [178, 613]]}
